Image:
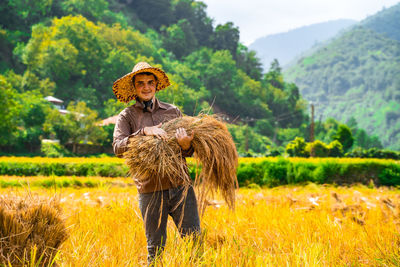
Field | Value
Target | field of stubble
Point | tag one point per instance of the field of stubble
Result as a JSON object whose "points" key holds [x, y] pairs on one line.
{"points": [[309, 225]]}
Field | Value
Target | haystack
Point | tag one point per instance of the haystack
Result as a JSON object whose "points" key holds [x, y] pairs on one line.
{"points": [[213, 147], [31, 230]]}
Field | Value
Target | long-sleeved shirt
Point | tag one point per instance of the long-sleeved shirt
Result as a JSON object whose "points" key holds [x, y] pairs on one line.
{"points": [[130, 122]]}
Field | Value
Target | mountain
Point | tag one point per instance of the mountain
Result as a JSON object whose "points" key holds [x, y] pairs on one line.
{"points": [[287, 46], [357, 74], [384, 22]]}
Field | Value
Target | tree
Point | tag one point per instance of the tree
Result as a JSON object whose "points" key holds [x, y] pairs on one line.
{"points": [[9, 112], [363, 140], [249, 62], [317, 149], [112, 107], [226, 37], [297, 148], [220, 80], [195, 13], [179, 38], [344, 136], [247, 141], [33, 116], [22, 14], [81, 124], [335, 149], [154, 13], [93, 10], [84, 58]]}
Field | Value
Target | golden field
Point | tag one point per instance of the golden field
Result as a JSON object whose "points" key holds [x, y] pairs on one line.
{"points": [[284, 226]]}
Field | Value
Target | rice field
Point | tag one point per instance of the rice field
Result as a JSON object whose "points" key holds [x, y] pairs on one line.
{"points": [[310, 225]]}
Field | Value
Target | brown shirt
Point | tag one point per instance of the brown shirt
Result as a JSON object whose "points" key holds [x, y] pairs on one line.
{"points": [[130, 122]]}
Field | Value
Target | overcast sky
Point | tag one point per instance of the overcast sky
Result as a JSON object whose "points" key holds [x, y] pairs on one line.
{"points": [[257, 18]]}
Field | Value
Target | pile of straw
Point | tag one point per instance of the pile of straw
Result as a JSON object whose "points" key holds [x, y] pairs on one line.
{"points": [[31, 230], [213, 147]]}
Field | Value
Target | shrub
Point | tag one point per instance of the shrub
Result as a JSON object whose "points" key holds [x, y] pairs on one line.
{"points": [[317, 149], [63, 169], [297, 148], [250, 173], [275, 173], [53, 150], [373, 153], [326, 172], [390, 176], [335, 149]]}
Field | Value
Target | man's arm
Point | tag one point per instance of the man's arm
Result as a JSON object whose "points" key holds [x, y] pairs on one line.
{"points": [[184, 140], [122, 132]]}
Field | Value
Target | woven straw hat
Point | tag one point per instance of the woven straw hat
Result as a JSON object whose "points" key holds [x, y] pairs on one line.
{"points": [[123, 87]]}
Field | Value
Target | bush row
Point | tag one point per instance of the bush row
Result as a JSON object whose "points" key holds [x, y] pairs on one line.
{"points": [[265, 173], [373, 153], [285, 171], [63, 169]]}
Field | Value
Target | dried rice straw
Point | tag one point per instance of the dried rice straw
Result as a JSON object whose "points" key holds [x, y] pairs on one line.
{"points": [[31, 230], [214, 149]]}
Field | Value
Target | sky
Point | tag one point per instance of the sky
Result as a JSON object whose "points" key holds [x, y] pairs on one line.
{"points": [[258, 18]]}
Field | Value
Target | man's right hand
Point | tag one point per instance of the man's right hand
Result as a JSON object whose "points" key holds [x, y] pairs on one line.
{"points": [[156, 131]]}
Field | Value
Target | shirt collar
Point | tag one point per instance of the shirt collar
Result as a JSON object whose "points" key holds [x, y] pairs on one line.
{"points": [[156, 105]]}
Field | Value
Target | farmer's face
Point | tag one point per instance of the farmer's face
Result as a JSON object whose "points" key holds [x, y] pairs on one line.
{"points": [[145, 86]]}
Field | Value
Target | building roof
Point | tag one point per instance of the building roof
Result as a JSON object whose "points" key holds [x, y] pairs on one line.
{"points": [[53, 99]]}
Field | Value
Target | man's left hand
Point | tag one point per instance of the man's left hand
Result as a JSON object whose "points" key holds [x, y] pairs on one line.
{"points": [[183, 139]]}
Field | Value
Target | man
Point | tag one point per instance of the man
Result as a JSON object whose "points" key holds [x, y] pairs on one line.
{"points": [[158, 196]]}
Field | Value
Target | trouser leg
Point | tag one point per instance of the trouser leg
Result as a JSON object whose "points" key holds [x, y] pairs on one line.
{"points": [[154, 209], [183, 210]]}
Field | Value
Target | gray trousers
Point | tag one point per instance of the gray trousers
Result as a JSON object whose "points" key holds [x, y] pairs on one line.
{"points": [[155, 208]]}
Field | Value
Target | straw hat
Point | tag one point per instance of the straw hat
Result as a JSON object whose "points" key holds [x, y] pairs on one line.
{"points": [[123, 87]]}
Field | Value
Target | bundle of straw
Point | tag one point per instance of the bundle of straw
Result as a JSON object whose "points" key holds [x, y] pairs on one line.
{"points": [[31, 230], [213, 147]]}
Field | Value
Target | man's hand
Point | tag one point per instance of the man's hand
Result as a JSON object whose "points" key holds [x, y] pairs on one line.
{"points": [[183, 139], [155, 131]]}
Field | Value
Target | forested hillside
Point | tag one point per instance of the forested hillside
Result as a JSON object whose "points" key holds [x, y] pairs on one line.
{"points": [[285, 47], [385, 22], [357, 75], [75, 50]]}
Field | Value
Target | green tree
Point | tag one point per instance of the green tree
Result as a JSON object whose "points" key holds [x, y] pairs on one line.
{"points": [[195, 13], [335, 149], [154, 13], [297, 148], [22, 14], [9, 112], [82, 126], [363, 140], [113, 107], [219, 78], [344, 136], [179, 38], [83, 58], [317, 149], [249, 62], [93, 10], [226, 37], [55, 126], [248, 142]]}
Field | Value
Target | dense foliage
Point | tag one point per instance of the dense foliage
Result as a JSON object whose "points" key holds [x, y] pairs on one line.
{"points": [[74, 50], [357, 75]]}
